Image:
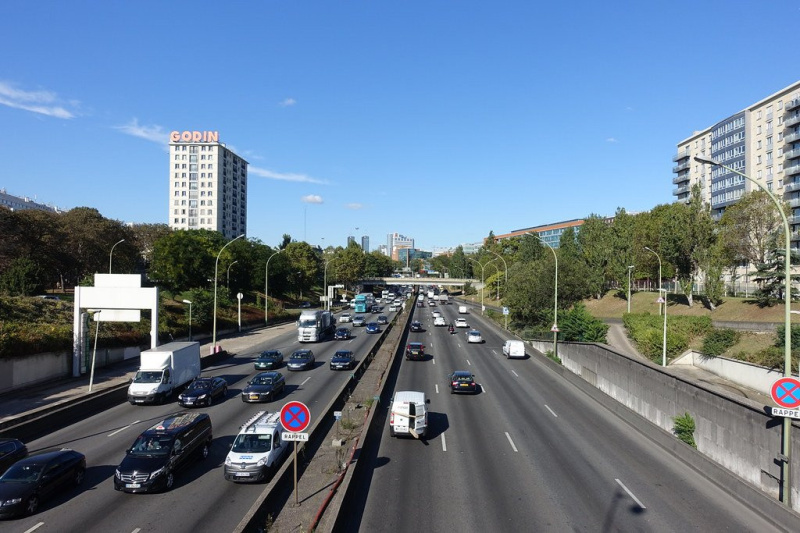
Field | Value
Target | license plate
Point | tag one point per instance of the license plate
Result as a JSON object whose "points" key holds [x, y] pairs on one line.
{"points": [[133, 485], [139, 401], [254, 396], [464, 385], [242, 474]]}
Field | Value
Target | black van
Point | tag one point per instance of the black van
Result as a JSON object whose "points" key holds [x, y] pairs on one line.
{"points": [[162, 450]]}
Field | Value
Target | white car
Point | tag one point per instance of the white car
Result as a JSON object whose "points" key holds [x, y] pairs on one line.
{"points": [[474, 336], [436, 314], [439, 321], [394, 307], [461, 323], [345, 317]]}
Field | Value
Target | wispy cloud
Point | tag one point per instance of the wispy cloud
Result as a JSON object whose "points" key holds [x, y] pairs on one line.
{"points": [[312, 199], [288, 102], [270, 174], [612, 140], [155, 134], [41, 102], [355, 206]]}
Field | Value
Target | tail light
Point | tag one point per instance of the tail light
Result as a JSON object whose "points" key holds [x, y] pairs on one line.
{"points": [[391, 418]]}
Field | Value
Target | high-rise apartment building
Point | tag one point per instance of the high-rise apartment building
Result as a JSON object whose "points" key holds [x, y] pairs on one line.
{"points": [[762, 141], [208, 184], [395, 241]]}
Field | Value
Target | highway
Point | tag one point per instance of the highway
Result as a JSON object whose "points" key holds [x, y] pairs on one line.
{"points": [[529, 452], [202, 500]]}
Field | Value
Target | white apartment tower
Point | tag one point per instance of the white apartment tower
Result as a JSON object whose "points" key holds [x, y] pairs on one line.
{"points": [[395, 241], [208, 184], [762, 141]]}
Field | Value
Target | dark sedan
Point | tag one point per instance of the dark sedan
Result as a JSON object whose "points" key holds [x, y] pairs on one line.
{"points": [[383, 319], [265, 387], [342, 334], [38, 477], [343, 360], [416, 326], [203, 391], [462, 381], [301, 360], [11, 451], [373, 327], [415, 351], [269, 360]]}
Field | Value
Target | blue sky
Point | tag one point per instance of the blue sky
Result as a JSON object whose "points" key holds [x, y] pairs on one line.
{"points": [[439, 120]]}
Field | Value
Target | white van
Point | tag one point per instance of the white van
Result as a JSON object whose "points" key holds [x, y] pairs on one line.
{"points": [[462, 309], [513, 349], [257, 449], [409, 414]]}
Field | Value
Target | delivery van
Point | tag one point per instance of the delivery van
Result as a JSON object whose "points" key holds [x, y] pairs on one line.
{"points": [[409, 414], [514, 349], [462, 309]]}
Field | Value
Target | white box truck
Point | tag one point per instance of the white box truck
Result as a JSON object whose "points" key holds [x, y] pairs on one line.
{"points": [[163, 370], [314, 325]]}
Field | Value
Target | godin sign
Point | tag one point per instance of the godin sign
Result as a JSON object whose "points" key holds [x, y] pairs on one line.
{"points": [[194, 136]]}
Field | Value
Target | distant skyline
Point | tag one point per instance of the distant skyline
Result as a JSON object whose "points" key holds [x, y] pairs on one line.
{"points": [[443, 122]]}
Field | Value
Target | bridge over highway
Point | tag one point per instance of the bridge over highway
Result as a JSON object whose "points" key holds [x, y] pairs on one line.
{"points": [[421, 281]]}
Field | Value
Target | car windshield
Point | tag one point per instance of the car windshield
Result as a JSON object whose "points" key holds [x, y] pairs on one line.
{"points": [[269, 356], [148, 445], [252, 443], [462, 378], [200, 385], [264, 380], [28, 472], [342, 354], [299, 355], [147, 377], [308, 323]]}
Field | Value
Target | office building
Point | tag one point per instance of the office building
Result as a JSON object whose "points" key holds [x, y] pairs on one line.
{"points": [[395, 241], [208, 185], [21, 203], [761, 141], [549, 233], [365, 243]]}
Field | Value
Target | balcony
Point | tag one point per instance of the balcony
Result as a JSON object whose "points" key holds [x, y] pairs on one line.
{"points": [[792, 154], [794, 219], [792, 104], [792, 121], [682, 166], [681, 155], [791, 187], [681, 190], [680, 179], [792, 137], [792, 170], [794, 202]]}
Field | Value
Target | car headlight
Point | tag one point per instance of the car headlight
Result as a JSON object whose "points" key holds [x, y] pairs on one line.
{"points": [[153, 390], [228, 461], [202, 397], [117, 474], [12, 501], [157, 473], [262, 461]]}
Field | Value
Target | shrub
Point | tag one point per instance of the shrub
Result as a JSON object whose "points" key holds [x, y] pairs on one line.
{"points": [[684, 428], [718, 341], [579, 325]]}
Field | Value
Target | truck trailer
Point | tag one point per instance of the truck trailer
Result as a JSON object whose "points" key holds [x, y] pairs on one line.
{"points": [[163, 370]]}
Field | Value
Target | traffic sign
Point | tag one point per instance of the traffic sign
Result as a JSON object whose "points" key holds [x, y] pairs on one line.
{"points": [[786, 392], [554, 329], [295, 416], [505, 310], [337, 415], [289, 436]]}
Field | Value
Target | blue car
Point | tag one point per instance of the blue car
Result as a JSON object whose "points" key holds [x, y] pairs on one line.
{"points": [[373, 327]]}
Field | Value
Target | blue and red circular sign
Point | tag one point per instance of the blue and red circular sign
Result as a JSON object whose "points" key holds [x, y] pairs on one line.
{"points": [[786, 392], [295, 417]]}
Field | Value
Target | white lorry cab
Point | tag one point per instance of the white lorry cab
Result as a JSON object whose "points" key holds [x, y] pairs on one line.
{"points": [[409, 414], [514, 348], [257, 450], [162, 370]]}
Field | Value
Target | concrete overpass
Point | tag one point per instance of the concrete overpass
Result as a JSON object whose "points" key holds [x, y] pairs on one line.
{"points": [[421, 281]]}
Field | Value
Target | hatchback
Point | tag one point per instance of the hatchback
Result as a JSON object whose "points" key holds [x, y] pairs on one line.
{"points": [[415, 351], [416, 326], [474, 336]]}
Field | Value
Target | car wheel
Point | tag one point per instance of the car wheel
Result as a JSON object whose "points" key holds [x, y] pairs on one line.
{"points": [[78, 478], [225, 392], [204, 451], [32, 505], [170, 481], [210, 400]]}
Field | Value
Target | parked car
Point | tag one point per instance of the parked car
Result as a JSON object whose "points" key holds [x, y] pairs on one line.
{"points": [[359, 321], [461, 323], [269, 360], [474, 336], [343, 360], [383, 319], [462, 381], [416, 326], [342, 334], [38, 477], [301, 360], [203, 391], [264, 387], [11, 451], [373, 327], [415, 351]]}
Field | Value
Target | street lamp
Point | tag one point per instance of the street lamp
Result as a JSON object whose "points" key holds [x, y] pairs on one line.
{"points": [[482, 287], [787, 334], [505, 265], [630, 267], [111, 253], [266, 286], [664, 340], [190, 318], [216, 267], [228, 282], [325, 284], [94, 352], [555, 294]]}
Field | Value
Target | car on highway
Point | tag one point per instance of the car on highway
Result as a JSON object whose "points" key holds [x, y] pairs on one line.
{"points": [[474, 337], [420, 304], [376, 309], [301, 360], [383, 319], [461, 323], [394, 307], [305, 305], [435, 314], [269, 360], [203, 391], [264, 387], [37, 477], [416, 326], [11, 451], [415, 351], [343, 360], [439, 321], [345, 317], [342, 334], [359, 321], [373, 327], [462, 381], [431, 303]]}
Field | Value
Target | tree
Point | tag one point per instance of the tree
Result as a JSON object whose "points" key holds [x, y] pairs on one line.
{"points": [[458, 263], [622, 246], [349, 264], [377, 265], [185, 259], [306, 265], [595, 240], [21, 278]]}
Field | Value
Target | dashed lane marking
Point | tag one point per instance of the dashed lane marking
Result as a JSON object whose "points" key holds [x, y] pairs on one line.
{"points": [[634, 498], [122, 428], [551, 411], [511, 442], [444, 443]]}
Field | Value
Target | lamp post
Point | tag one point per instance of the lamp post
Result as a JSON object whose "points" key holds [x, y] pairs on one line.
{"points": [[482, 287], [266, 286], [787, 338], [664, 340], [555, 293], [190, 318], [94, 352], [216, 267], [505, 265], [630, 267], [111, 253], [228, 282], [325, 284]]}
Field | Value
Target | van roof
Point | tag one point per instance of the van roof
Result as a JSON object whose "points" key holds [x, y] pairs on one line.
{"points": [[177, 421], [261, 422], [409, 396]]}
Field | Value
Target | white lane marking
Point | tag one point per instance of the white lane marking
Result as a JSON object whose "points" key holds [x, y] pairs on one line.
{"points": [[470, 364], [137, 530], [511, 442], [34, 528], [515, 373], [305, 381], [551, 411], [483, 389], [437, 388], [122, 429], [444, 443], [630, 494]]}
